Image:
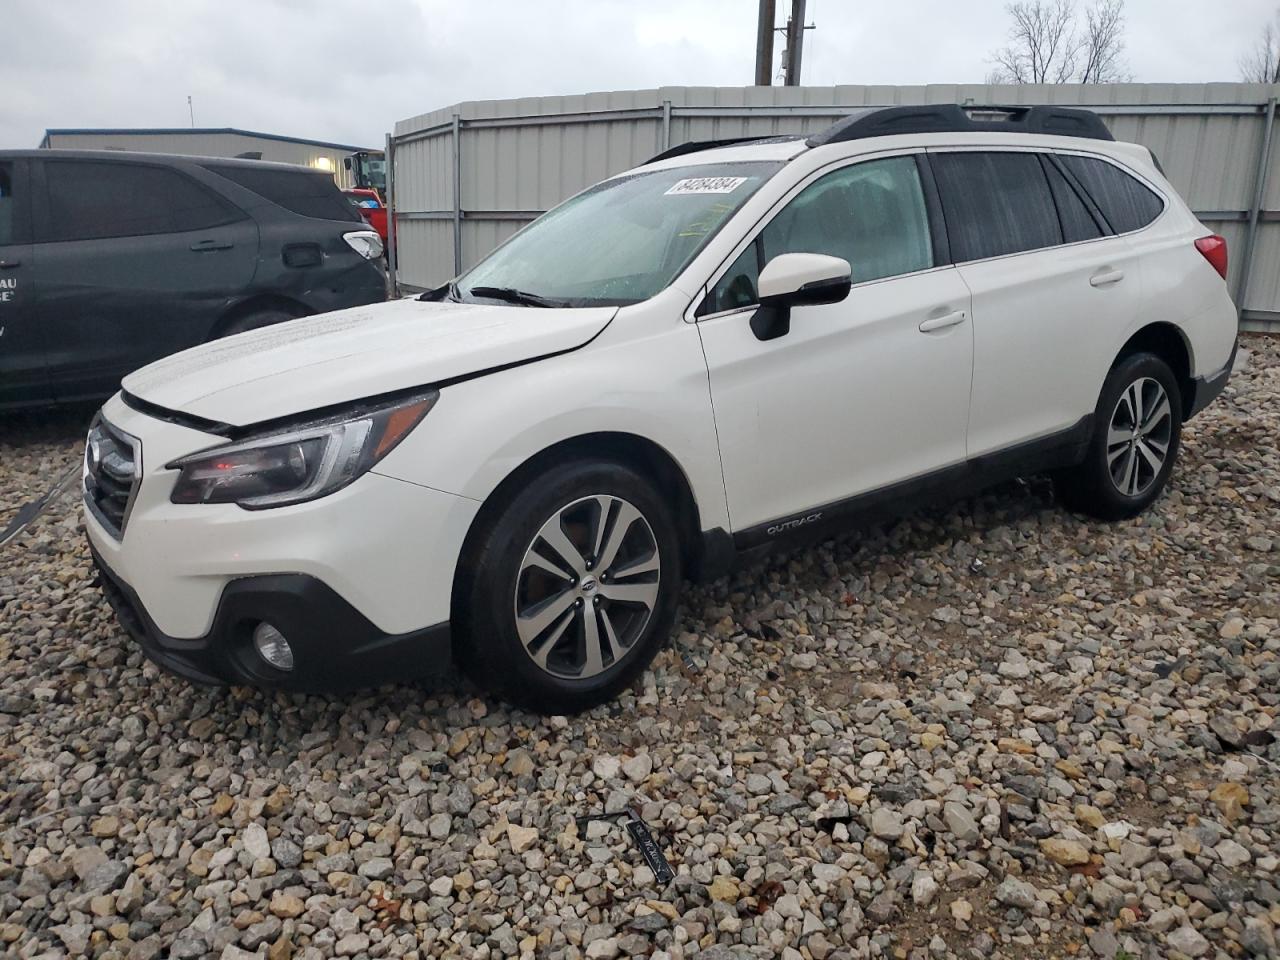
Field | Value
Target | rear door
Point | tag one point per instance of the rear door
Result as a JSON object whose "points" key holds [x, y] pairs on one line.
{"points": [[23, 378], [135, 261], [1049, 282]]}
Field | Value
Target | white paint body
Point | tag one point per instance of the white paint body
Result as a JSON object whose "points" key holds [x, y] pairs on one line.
{"points": [[855, 397]]}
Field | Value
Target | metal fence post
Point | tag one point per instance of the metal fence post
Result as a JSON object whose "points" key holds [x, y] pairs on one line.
{"points": [[457, 194], [392, 233], [666, 124], [1255, 206]]}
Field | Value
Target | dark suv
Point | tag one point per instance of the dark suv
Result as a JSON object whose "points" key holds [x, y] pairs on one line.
{"points": [[111, 260]]}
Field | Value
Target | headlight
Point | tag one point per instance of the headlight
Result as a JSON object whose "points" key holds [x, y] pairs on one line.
{"points": [[367, 243], [299, 464]]}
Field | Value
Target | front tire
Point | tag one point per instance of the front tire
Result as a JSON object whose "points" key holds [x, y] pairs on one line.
{"points": [[569, 588], [1136, 434]]}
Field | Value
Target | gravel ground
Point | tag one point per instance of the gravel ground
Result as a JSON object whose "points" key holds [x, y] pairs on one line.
{"points": [[990, 731]]}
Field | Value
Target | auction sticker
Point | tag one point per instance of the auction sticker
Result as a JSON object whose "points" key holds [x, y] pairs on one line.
{"points": [[706, 185]]}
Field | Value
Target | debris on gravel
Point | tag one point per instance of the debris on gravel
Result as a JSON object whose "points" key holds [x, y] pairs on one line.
{"points": [[990, 730]]}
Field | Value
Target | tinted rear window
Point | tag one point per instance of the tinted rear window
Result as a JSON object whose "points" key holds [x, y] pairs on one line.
{"points": [[1077, 221], [1126, 203], [995, 203], [91, 200], [8, 234], [307, 194]]}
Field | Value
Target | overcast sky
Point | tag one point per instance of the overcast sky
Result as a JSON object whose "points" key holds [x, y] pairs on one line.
{"points": [[346, 71]]}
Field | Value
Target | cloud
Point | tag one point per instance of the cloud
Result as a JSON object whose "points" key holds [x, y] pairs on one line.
{"points": [[347, 71]]}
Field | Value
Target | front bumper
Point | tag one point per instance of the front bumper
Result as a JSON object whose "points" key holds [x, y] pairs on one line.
{"points": [[360, 582], [335, 647]]}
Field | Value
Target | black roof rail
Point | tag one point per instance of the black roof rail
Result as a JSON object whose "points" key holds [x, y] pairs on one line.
{"points": [[694, 146], [955, 118]]}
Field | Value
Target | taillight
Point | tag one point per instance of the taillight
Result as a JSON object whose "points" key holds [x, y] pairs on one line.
{"points": [[1214, 249]]}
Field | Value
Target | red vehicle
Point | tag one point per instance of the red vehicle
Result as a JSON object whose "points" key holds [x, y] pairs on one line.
{"points": [[370, 206]]}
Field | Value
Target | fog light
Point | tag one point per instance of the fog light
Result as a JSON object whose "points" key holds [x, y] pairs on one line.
{"points": [[272, 646]]}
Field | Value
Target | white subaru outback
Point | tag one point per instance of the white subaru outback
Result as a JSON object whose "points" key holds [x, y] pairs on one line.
{"points": [[734, 346]]}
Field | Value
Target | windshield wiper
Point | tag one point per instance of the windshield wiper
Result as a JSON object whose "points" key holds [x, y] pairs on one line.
{"points": [[512, 295]]}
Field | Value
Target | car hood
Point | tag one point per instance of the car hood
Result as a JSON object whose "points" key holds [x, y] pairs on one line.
{"points": [[338, 357]]}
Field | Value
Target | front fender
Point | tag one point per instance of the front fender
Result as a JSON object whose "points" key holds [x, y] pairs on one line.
{"points": [[641, 376]]}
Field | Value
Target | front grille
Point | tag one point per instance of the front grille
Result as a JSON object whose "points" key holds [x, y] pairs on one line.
{"points": [[113, 467]]}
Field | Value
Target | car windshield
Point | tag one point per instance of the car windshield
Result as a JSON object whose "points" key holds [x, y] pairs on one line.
{"points": [[620, 242]]}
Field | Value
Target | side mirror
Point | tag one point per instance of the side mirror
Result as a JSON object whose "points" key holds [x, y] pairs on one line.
{"points": [[795, 280]]}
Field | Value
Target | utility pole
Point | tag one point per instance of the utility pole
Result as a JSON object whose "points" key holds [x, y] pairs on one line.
{"points": [[795, 43], [764, 43], [191, 110]]}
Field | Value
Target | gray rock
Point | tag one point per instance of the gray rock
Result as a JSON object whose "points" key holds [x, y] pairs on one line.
{"points": [[1186, 939], [286, 853], [886, 824], [105, 877], [377, 868], [960, 823], [1013, 892]]}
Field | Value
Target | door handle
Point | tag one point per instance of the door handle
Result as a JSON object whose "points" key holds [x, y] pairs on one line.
{"points": [[1106, 276], [200, 246], [942, 322], [10, 264]]}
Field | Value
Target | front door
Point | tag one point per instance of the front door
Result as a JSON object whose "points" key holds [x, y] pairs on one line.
{"points": [[859, 395], [23, 378], [135, 262]]}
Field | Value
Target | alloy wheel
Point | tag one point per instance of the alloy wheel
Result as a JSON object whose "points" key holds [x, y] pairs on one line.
{"points": [[587, 587], [1138, 436]]}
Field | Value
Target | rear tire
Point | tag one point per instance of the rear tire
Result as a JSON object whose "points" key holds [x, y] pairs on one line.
{"points": [[255, 321], [1137, 427], [569, 589]]}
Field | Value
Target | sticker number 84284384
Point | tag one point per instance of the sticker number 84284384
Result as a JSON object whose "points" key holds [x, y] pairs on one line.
{"points": [[706, 185]]}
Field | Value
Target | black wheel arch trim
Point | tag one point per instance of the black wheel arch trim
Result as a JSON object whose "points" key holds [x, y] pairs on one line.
{"points": [[1204, 390]]}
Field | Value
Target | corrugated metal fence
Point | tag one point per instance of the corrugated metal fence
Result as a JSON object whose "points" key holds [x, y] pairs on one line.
{"points": [[464, 178]]}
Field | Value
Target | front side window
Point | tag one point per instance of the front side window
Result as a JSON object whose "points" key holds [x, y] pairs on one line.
{"points": [[8, 204], [1126, 203], [620, 242], [871, 214], [995, 204], [91, 200]]}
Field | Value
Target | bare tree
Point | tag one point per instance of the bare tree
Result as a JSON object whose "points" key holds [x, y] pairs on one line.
{"points": [[1048, 45], [1102, 52], [1262, 63]]}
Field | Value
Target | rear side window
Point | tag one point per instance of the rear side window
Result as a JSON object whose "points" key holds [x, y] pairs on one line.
{"points": [[1126, 203], [91, 200], [995, 204], [306, 194], [1077, 221]]}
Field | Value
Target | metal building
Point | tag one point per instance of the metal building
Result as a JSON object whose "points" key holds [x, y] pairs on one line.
{"points": [[465, 177], [214, 142]]}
